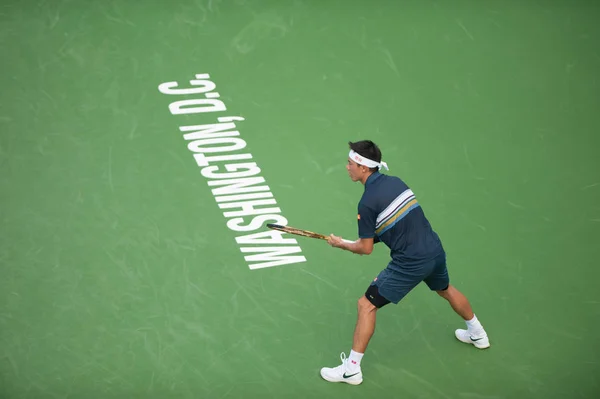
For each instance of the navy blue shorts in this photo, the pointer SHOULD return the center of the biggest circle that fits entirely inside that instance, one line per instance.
(394, 284)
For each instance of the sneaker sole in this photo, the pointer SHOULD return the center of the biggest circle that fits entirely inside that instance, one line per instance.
(474, 344)
(351, 382)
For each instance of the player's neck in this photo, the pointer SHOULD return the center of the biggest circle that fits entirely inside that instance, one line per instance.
(364, 178)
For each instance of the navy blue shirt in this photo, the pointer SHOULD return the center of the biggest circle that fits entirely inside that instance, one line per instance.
(388, 212)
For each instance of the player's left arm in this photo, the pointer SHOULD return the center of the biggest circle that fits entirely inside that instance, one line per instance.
(366, 233)
(362, 246)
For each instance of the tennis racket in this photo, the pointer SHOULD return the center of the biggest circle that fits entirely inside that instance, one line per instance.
(298, 232)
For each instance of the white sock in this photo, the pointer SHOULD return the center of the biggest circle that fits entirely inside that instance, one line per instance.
(354, 360)
(474, 326)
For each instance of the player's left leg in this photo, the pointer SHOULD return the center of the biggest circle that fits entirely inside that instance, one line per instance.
(350, 371)
(365, 323)
(389, 286)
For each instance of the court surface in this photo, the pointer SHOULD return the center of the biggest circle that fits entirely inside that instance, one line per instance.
(121, 276)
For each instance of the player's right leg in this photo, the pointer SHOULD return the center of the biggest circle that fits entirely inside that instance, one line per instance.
(475, 333)
(439, 282)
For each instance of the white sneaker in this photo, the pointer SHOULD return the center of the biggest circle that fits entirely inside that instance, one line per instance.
(480, 341)
(342, 374)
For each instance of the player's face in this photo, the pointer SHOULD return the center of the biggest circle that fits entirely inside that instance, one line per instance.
(354, 170)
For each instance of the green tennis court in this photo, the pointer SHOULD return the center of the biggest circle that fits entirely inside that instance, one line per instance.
(136, 264)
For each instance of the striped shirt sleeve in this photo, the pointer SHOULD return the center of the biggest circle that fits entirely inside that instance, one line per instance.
(366, 221)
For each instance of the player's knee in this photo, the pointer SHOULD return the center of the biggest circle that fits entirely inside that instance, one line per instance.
(364, 305)
(445, 293)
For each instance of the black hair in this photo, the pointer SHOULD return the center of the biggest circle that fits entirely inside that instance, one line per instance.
(367, 149)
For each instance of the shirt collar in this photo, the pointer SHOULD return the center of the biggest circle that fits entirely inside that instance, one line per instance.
(374, 176)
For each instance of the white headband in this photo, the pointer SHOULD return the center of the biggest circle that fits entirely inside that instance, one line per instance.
(359, 159)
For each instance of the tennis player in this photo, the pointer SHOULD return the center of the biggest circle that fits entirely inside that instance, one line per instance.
(388, 212)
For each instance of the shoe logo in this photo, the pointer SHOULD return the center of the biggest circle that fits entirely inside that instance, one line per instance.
(351, 375)
(476, 339)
